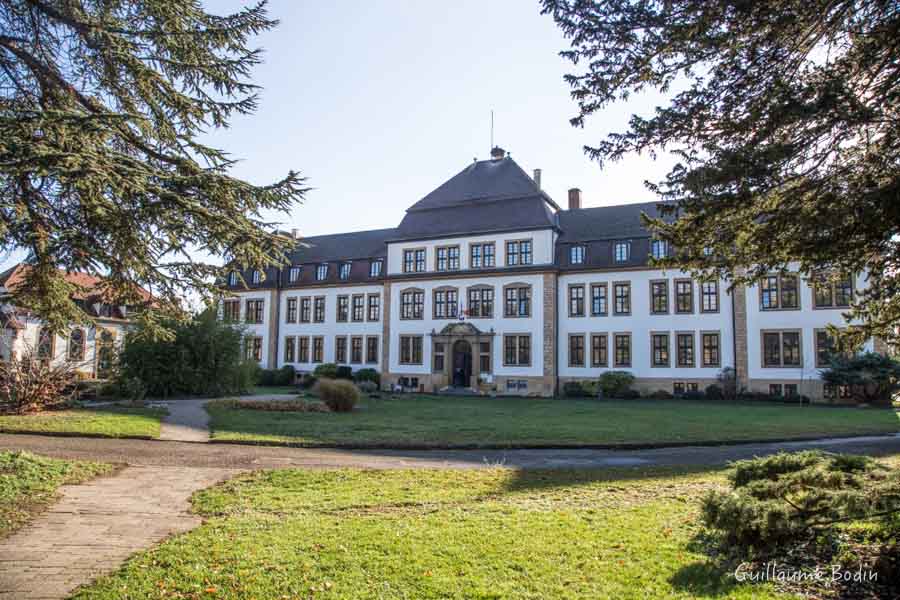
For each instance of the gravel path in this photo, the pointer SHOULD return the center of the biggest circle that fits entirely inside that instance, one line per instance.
(96, 526)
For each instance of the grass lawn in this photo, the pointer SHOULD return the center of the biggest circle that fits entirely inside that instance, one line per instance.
(106, 421)
(28, 483)
(488, 533)
(446, 421)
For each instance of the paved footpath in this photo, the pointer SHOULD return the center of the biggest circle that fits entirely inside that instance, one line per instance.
(96, 526)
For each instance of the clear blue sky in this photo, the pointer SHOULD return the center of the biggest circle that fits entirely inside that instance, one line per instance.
(378, 103)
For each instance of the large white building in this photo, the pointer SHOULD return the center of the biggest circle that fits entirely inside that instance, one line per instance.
(488, 284)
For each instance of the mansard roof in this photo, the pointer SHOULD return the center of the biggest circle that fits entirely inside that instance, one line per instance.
(487, 196)
(342, 246)
(606, 222)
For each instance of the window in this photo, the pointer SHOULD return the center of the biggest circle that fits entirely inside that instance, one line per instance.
(439, 351)
(711, 354)
(356, 350)
(445, 303)
(659, 249)
(832, 392)
(622, 296)
(375, 268)
(291, 316)
(447, 258)
(481, 302)
(290, 349)
(344, 272)
(517, 350)
(779, 292)
(576, 255)
(685, 342)
(414, 261)
(410, 349)
(576, 350)
(707, 250)
(231, 310)
(790, 390)
(76, 345)
(781, 348)
(484, 357)
(319, 309)
(256, 276)
(343, 309)
(481, 256)
(598, 350)
(677, 387)
(254, 311)
(340, 349)
(830, 294)
(516, 385)
(622, 343)
(321, 272)
(374, 309)
(518, 252)
(659, 349)
(659, 297)
(622, 251)
(709, 296)
(294, 275)
(775, 389)
(318, 349)
(825, 348)
(233, 278)
(518, 301)
(359, 308)
(684, 296)
(598, 300)
(304, 310)
(303, 349)
(576, 301)
(253, 348)
(412, 304)
(372, 349)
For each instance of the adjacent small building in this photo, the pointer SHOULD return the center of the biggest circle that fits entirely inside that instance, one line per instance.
(89, 349)
(487, 284)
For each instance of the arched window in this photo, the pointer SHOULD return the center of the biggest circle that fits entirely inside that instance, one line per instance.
(76, 345)
(105, 353)
(45, 344)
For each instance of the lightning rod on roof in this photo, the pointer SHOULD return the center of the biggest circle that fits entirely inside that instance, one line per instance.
(492, 129)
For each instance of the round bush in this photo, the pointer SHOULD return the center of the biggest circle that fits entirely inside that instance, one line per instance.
(326, 371)
(368, 375)
(367, 387)
(338, 394)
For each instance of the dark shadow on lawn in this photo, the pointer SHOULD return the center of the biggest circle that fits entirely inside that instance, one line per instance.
(543, 479)
(703, 578)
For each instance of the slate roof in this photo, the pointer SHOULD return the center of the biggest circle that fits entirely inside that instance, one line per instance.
(486, 196)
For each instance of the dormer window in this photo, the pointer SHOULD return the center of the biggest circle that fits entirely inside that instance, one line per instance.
(344, 273)
(294, 275)
(375, 268)
(256, 277)
(321, 272)
(659, 249)
(576, 255)
(622, 251)
(233, 278)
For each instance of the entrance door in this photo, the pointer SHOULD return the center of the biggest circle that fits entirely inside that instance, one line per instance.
(462, 363)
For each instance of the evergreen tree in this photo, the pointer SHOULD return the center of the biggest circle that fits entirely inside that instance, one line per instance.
(101, 169)
(785, 118)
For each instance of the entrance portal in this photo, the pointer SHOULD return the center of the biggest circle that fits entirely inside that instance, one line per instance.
(462, 364)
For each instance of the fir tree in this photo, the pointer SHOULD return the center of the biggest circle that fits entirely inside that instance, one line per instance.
(785, 118)
(101, 167)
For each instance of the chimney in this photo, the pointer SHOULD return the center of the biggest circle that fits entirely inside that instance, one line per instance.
(497, 153)
(574, 199)
(295, 233)
(537, 178)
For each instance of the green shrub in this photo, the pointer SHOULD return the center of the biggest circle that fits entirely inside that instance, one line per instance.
(367, 387)
(661, 395)
(630, 394)
(692, 395)
(615, 384)
(871, 377)
(714, 392)
(727, 380)
(344, 372)
(574, 389)
(326, 371)
(287, 375)
(780, 500)
(202, 357)
(368, 375)
(266, 377)
(338, 394)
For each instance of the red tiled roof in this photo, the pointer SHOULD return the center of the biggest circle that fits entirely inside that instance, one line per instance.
(92, 286)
